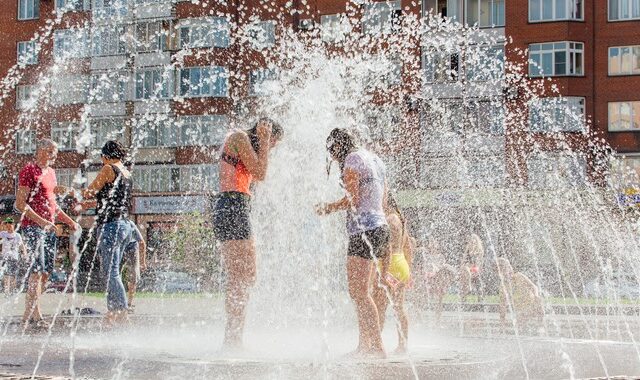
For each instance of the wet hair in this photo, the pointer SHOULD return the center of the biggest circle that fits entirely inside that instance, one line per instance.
(114, 150)
(340, 143)
(276, 132)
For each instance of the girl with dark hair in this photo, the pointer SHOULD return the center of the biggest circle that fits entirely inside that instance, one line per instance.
(399, 274)
(112, 190)
(363, 176)
(244, 159)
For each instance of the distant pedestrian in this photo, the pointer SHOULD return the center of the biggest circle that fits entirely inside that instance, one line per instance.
(36, 200)
(12, 247)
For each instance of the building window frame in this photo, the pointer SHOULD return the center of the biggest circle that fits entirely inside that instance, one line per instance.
(28, 10)
(634, 57)
(630, 108)
(633, 9)
(204, 82)
(562, 111)
(25, 96)
(147, 80)
(25, 141)
(204, 33)
(573, 10)
(65, 135)
(70, 44)
(27, 54)
(496, 13)
(65, 6)
(572, 64)
(381, 17)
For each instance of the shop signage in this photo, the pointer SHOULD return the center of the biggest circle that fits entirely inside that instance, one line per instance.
(170, 204)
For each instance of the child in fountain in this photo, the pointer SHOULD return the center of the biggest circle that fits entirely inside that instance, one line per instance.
(439, 276)
(364, 179)
(12, 246)
(244, 159)
(471, 266)
(399, 274)
(521, 294)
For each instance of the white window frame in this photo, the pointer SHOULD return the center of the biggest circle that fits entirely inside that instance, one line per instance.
(262, 34)
(153, 35)
(480, 63)
(335, 27)
(446, 69)
(65, 134)
(25, 141)
(631, 6)
(158, 75)
(70, 44)
(570, 11)
(105, 129)
(174, 178)
(102, 85)
(570, 64)
(634, 56)
(65, 6)
(204, 33)
(378, 17)
(155, 131)
(67, 176)
(25, 96)
(202, 130)
(28, 9)
(26, 53)
(218, 76)
(493, 23)
(108, 40)
(257, 79)
(570, 108)
(113, 8)
(634, 113)
(556, 164)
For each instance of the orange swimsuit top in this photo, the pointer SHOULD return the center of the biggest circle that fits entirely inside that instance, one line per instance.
(243, 176)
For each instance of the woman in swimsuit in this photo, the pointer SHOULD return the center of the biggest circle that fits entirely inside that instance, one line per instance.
(244, 159)
(399, 274)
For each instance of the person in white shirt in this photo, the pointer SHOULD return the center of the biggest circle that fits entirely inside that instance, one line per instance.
(11, 247)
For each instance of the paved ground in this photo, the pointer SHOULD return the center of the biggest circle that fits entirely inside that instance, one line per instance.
(178, 337)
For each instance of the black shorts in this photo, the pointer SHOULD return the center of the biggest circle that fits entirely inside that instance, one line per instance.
(369, 243)
(231, 211)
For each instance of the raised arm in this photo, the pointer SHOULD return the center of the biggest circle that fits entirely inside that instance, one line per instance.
(256, 162)
(106, 175)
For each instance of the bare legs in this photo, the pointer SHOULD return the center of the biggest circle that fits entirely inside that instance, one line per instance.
(397, 298)
(9, 284)
(359, 274)
(240, 264)
(32, 301)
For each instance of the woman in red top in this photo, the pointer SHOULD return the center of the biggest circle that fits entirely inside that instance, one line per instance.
(244, 159)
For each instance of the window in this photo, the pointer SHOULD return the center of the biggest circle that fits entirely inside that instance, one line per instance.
(108, 40)
(334, 28)
(27, 54)
(110, 8)
(70, 177)
(174, 178)
(204, 82)
(624, 10)
(441, 67)
(26, 97)
(485, 63)
(70, 43)
(155, 131)
(624, 116)
(153, 36)
(557, 114)
(484, 171)
(108, 87)
(199, 33)
(262, 34)
(154, 84)
(381, 17)
(63, 6)
(624, 60)
(202, 130)
(556, 59)
(485, 13)
(624, 175)
(69, 89)
(65, 135)
(25, 141)
(486, 117)
(260, 81)
(555, 10)
(28, 9)
(549, 170)
(103, 130)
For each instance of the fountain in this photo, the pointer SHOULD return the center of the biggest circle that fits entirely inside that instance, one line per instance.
(451, 165)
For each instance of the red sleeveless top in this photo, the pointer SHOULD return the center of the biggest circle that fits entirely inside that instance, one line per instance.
(242, 174)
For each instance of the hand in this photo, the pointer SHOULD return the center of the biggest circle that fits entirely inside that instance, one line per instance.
(73, 226)
(264, 132)
(321, 209)
(49, 226)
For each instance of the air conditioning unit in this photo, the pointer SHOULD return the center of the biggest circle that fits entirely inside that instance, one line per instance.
(306, 24)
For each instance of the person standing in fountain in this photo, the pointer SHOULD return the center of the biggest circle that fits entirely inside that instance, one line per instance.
(36, 200)
(244, 159)
(471, 267)
(518, 294)
(112, 190)
(363, 175)
(12, 248)
(402, 248)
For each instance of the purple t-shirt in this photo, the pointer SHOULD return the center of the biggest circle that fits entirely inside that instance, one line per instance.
(368, 214)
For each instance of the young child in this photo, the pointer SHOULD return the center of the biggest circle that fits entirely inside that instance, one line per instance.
(11, 247)
(521, 293)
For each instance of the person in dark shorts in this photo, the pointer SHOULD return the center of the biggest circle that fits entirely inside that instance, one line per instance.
(244, 159)
(36, 200)
(363, 176)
